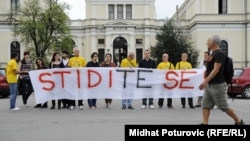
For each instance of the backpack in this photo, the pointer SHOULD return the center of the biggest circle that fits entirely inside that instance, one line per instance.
(228, 70)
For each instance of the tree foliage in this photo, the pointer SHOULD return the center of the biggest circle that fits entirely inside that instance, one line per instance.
(174, 42)
(42, 27)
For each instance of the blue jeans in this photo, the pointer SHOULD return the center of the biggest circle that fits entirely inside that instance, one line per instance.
(126, 102)
(92, 102)
(13, 94)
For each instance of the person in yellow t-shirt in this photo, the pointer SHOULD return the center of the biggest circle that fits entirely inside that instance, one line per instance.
(11, 74)
(183, 65)
(128, 62)
(76, 62)
(165, 65)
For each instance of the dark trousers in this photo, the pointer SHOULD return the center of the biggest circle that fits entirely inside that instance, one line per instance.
(65, 103)
(58, 103)
(150, 101)
(161, 101)
(92, 102)
(190, 101)
(26, 89)
(73, 103)
(108, 101)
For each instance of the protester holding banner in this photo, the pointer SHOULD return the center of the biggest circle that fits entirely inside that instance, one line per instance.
(93, 63)
(165, 65)
(41, 65)
(128, 62)
(147, 62)
(56, 63)
(24, 78)
(203, 65)
(108, 63)
(76, 62)
(65, 61)
(183, 65)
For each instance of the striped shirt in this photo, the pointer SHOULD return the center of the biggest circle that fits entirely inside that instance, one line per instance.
(26, 66)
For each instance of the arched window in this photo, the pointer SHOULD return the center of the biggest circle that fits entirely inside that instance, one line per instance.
(120, 48)
(224, 46)
(15, 47)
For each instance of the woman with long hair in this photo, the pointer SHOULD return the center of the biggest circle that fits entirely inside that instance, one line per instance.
(56, 63)
(108, 63)
(39, 66)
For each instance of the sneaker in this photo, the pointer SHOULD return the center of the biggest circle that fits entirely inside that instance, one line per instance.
(15, 109)
(37, 105)
(109, 107)
(130, 107)
(191, 107)
(81, 107)
(123, 107)
(71, 107)
(151, 107)
(143, 106)
(240, 123)
(25, 105)
(197, 106)
(170, 107)
(52, 108)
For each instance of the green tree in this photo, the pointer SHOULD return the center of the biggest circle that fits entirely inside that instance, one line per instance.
(43, 27)
(174, 42)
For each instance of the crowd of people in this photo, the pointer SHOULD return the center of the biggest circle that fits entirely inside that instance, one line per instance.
(214, 81)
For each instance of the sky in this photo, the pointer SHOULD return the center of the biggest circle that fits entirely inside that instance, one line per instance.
(164, 8)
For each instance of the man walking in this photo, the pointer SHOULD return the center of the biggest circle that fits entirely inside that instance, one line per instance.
(214, 83)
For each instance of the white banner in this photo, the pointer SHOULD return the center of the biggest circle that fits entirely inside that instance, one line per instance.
(115, 83)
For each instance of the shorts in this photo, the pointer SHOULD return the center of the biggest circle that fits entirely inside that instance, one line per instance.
(215, 94)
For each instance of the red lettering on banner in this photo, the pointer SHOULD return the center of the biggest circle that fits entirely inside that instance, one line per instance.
(182, 79)
(78, 79)
(62, 75)
(89, 78)
(110, 78)
(46, 81)
(171, 79)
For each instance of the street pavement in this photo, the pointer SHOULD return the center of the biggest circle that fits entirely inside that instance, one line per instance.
(102, 124)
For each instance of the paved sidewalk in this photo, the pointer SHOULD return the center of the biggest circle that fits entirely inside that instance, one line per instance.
(102, 124)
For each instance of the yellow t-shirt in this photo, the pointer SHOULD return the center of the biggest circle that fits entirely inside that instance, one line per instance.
(11, 76)
(183, 65)
(76, 62)
(165, 66)
(128, 63)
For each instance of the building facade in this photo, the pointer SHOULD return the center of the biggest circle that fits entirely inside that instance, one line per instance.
(111, 26)
(230, 19)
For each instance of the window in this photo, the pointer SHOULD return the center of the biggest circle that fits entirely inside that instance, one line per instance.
(14, 5)
(15, 47)
(222, 6)
(101, 41)
(119, 11)
(139, 41)
(224, 47)
(111, 12)
(128, 11)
